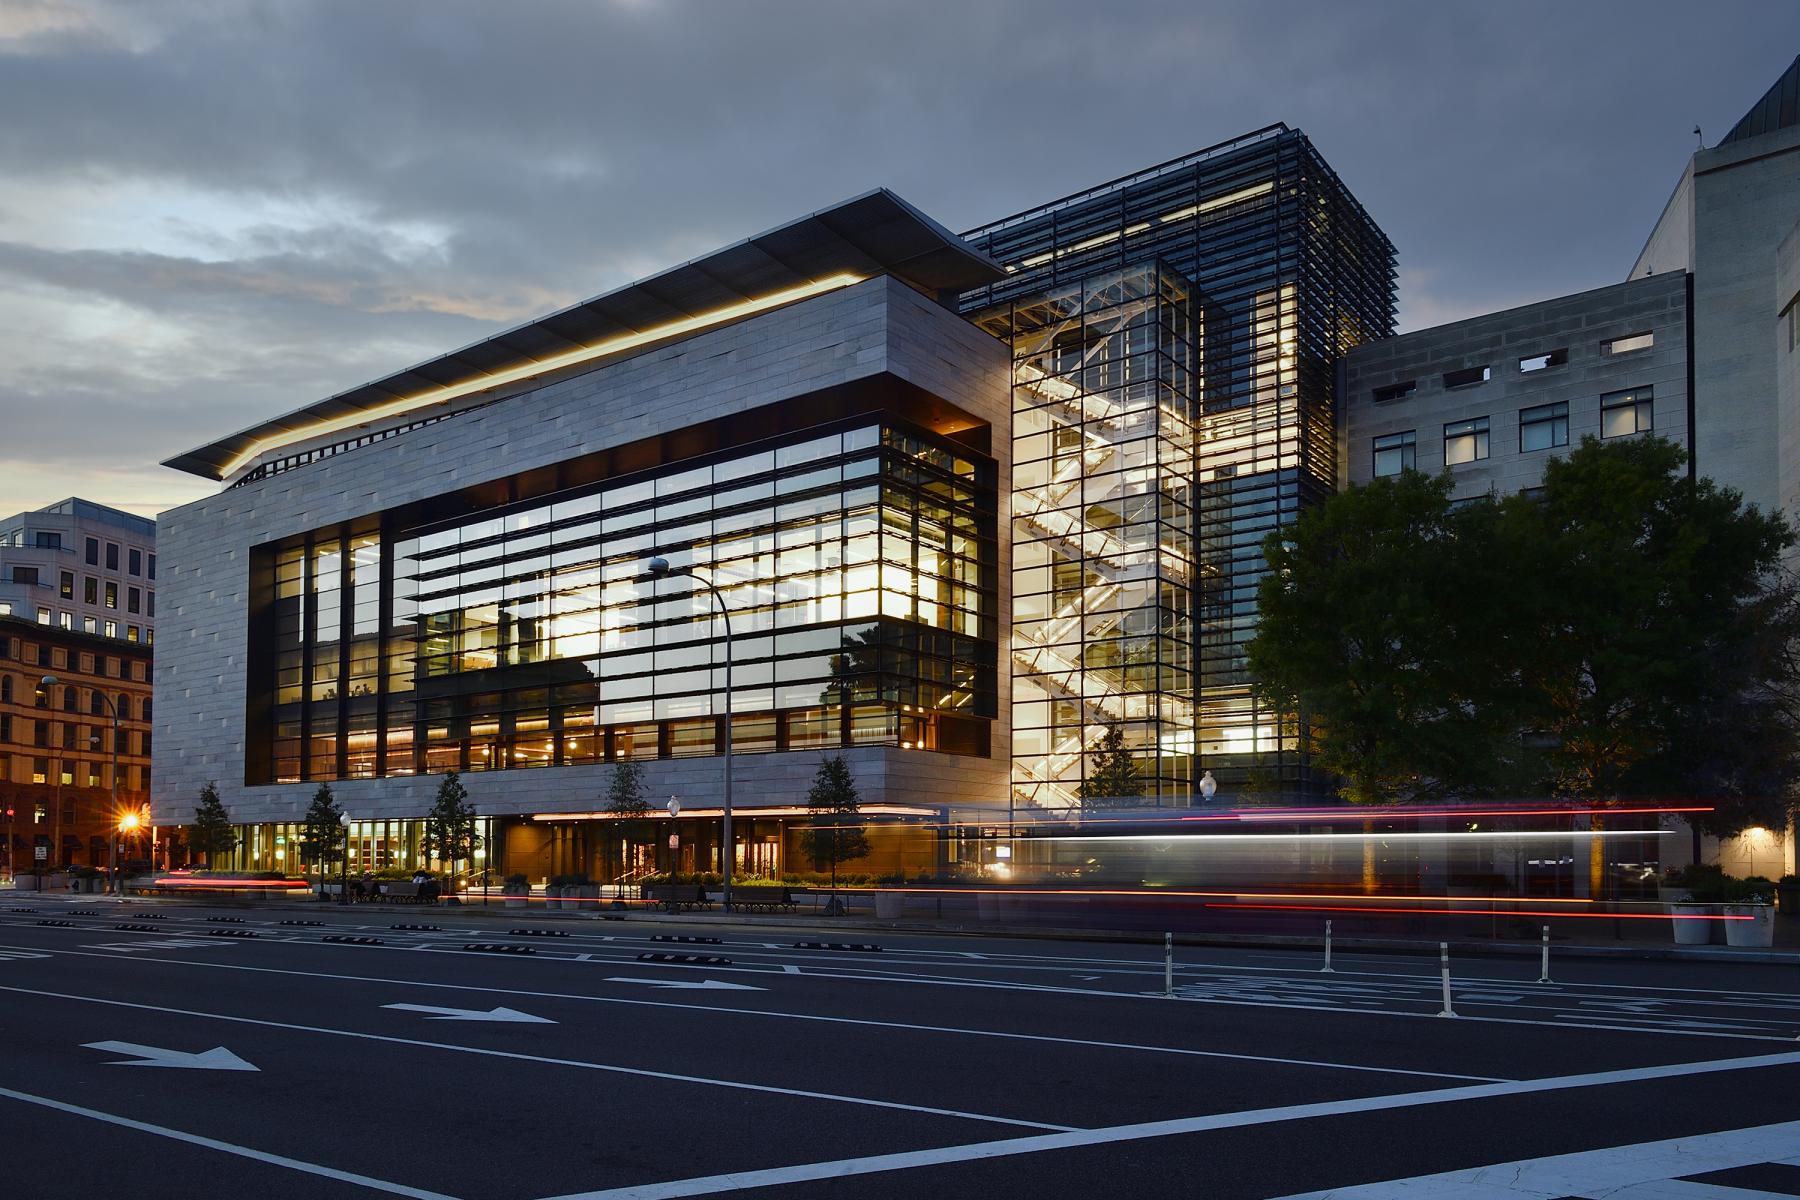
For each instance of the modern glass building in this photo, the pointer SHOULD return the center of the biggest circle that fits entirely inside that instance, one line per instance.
(446, 570)
(1282, 273)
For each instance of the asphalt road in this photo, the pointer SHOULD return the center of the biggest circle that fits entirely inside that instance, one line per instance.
(179, 1058)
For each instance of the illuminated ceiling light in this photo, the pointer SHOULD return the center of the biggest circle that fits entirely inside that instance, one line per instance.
(554, 362)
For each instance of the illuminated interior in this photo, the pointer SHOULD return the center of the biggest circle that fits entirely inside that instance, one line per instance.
(852, 563)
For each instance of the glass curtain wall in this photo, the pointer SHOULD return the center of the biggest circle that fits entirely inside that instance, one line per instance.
(1293, 273)
(1103, 457)
(857, 567)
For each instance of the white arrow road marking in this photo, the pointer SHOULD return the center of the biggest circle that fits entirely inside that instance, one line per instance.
(715, 985)
(216, 1059)
(472, 1014)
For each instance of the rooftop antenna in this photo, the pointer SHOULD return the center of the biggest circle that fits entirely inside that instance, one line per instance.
(1700, 140)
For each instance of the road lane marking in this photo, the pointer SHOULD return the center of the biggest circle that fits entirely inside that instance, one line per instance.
(911, 1027)
(716, 985)
(194, 1139)
(511, 1015)
(709, 1185)
(216, 1059)
(1615, 1171)
(548, 1060)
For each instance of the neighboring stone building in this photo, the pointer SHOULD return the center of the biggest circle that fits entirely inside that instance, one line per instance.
(81, 566)
(57, 748)
(1494, 397)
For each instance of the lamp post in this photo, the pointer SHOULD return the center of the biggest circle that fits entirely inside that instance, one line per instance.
(1208, 785)
(128, 823)
(344, 879)
(50, 681)
(659, 569)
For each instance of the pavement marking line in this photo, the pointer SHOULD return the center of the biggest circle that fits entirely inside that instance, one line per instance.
(827, 1019)
(870, 975)
(709, 1185)
(194, 1139)
(1618, 1171)
(640, 1072)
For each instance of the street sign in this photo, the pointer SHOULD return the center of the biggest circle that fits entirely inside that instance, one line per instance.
(674, 841)
(40, 852)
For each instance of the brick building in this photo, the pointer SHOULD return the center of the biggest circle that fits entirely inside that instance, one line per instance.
(56, 743)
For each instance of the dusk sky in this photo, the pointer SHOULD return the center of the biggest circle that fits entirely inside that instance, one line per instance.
(214, 212)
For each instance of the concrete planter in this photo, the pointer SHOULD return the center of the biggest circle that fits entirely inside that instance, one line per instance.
(889, 905)
(1693, 932)
(1787, 899)
(516, 895)
(1759, 931)
(553, 899)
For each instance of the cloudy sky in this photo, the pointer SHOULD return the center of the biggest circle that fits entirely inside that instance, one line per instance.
(212, 212)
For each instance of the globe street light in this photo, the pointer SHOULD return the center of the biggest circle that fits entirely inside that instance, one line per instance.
(659, 568)
(50, 681)
(344, 879)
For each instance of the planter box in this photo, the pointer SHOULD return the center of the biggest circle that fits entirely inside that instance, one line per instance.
(1694, 932)
(1759, 931)
(516, 896)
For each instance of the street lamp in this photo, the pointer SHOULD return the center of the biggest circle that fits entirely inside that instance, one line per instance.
(128, 823)
(344, 879)
(659, 568)
(1208, 785)
(50, 681)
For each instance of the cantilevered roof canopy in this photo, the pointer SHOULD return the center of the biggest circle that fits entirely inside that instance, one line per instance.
(876, 233)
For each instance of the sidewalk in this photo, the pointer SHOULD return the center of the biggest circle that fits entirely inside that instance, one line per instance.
(1785, 951)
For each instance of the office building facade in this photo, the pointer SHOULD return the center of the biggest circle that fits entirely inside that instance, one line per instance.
(1493, 398)
(81, 567)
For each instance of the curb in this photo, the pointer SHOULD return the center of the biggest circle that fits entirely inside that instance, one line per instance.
(1716, 955)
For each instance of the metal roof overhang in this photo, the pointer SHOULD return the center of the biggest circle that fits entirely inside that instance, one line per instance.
(876, 233)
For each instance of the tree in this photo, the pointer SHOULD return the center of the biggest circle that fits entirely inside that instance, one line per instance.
(1377, 622)
(321, 832)
(212, 832)
(450, 833)
(1114, 772)
(625, 801)
(1664, 636)
(834, 831)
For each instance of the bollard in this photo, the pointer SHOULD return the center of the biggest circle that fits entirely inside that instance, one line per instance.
(1326, 969)
(1444, 969)
(1169, 965)
(1544, 970)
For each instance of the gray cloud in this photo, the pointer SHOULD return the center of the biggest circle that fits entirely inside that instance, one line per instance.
(329, 191)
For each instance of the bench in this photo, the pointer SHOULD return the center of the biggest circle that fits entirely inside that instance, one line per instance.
(762, 897)
(676, 896)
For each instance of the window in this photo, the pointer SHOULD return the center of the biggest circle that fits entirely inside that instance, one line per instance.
(65, 585)
(1628, 343)
(112, 595)
(5, 731)
(134, 600)
(112, 629)
(71, 698)
(6, 689)
(48, 541)
(112, 556)
(1467, 376)
(1465, 441)
(149, 604)
(93, 552)
(152, 571)
(135, 561)
(1396, 391)
(1543, 427)
(147, 708)
(131, 633)
(1623, 413)
(1394, 453)
(43, 616)
(24, 575)
(89, 625)
(90, 590)
(66, 620)
(1538, 362)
